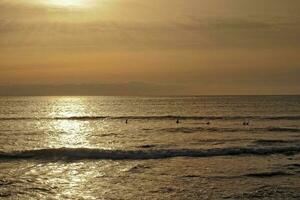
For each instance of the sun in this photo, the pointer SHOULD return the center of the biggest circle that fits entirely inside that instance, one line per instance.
(67, 3)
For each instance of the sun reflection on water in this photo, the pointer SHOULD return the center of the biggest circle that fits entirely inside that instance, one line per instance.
(75, 179)
(70, 132)
(69, 107)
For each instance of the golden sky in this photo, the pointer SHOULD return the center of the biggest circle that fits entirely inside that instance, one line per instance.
(151, 47)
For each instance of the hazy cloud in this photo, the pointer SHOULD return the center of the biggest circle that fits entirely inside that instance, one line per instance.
(193, 34)
(207, 45)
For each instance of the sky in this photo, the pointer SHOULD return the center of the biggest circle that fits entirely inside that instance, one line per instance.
(142, 47)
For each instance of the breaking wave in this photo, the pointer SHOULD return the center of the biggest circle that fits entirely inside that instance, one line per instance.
(268, 174)
(86, 153)
(228, 130)
(272, 142)
(159, 117)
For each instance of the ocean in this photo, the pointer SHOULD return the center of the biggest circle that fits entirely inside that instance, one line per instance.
(192, 147)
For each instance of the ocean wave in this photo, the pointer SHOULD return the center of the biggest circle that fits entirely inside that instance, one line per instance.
(228, 130)
(86, 153)
(272, 191)
(268, 174)
(54, 118)
(159, 117)
(272, 142)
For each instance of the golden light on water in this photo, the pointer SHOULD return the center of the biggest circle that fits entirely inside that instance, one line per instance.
(65, 107)
(71, 133)
(71, 129)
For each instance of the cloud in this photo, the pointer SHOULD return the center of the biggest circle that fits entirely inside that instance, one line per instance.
(25, 25)
(192, 34)
(217, 42)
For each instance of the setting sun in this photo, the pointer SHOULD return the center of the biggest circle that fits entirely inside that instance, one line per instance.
(67, 2)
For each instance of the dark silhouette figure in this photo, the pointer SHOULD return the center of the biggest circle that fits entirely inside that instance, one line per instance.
(126, 121)
(208, 123)
(246, 123)
(177, 122)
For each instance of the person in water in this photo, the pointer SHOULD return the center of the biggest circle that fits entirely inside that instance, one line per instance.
(126, 121)
(177, 122)
(246, 123)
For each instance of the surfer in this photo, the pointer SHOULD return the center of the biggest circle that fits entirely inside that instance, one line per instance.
(245, 123)
(177, 122)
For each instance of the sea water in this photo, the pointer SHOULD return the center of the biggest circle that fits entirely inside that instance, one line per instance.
(196, 147)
